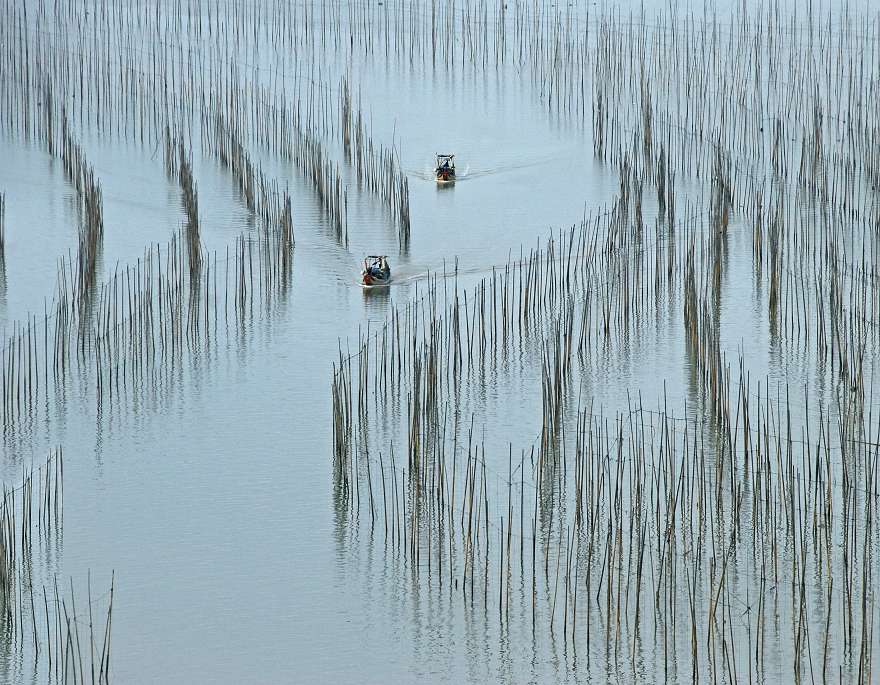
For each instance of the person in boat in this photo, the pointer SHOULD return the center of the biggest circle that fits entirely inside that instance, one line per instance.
(377, 267)
(445, 164)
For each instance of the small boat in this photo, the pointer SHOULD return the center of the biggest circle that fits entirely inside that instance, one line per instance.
(376, 271)
(445, 170)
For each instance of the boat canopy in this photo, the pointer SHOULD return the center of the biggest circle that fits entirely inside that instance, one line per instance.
(375, 262)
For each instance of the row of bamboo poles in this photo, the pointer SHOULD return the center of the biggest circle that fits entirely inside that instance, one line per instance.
(377, 168)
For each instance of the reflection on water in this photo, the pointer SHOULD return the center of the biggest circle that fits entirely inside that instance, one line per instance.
(612, 421)
(377, 299)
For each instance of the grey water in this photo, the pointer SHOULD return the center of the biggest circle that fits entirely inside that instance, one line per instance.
(211, 498)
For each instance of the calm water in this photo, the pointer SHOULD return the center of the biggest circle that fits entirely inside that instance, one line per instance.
(211, 496)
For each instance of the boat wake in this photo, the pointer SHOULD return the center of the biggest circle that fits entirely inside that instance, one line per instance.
(429, 174)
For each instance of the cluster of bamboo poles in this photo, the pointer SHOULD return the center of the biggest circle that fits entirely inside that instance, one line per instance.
(149, 314)
(27, 511)
(289, 134)
(177, 83)
(307, 154)
(34, 507)
(740, 99)
(635, 273)
(580, 62)
(81, 176)
(204, 89)
(377, 167)
(656, 521)
(143, 322)
(775, 108)
(211, 99)
(642, 497)
(690, 77)
(178, 166)
(154, 311)
(662, 522)
(816, 252)
(592, 65)
(722, 551)
(46, 619)
(2, 226)
(118, 331)
(296, 135)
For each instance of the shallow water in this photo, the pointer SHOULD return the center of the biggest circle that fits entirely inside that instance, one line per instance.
(210, 493)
